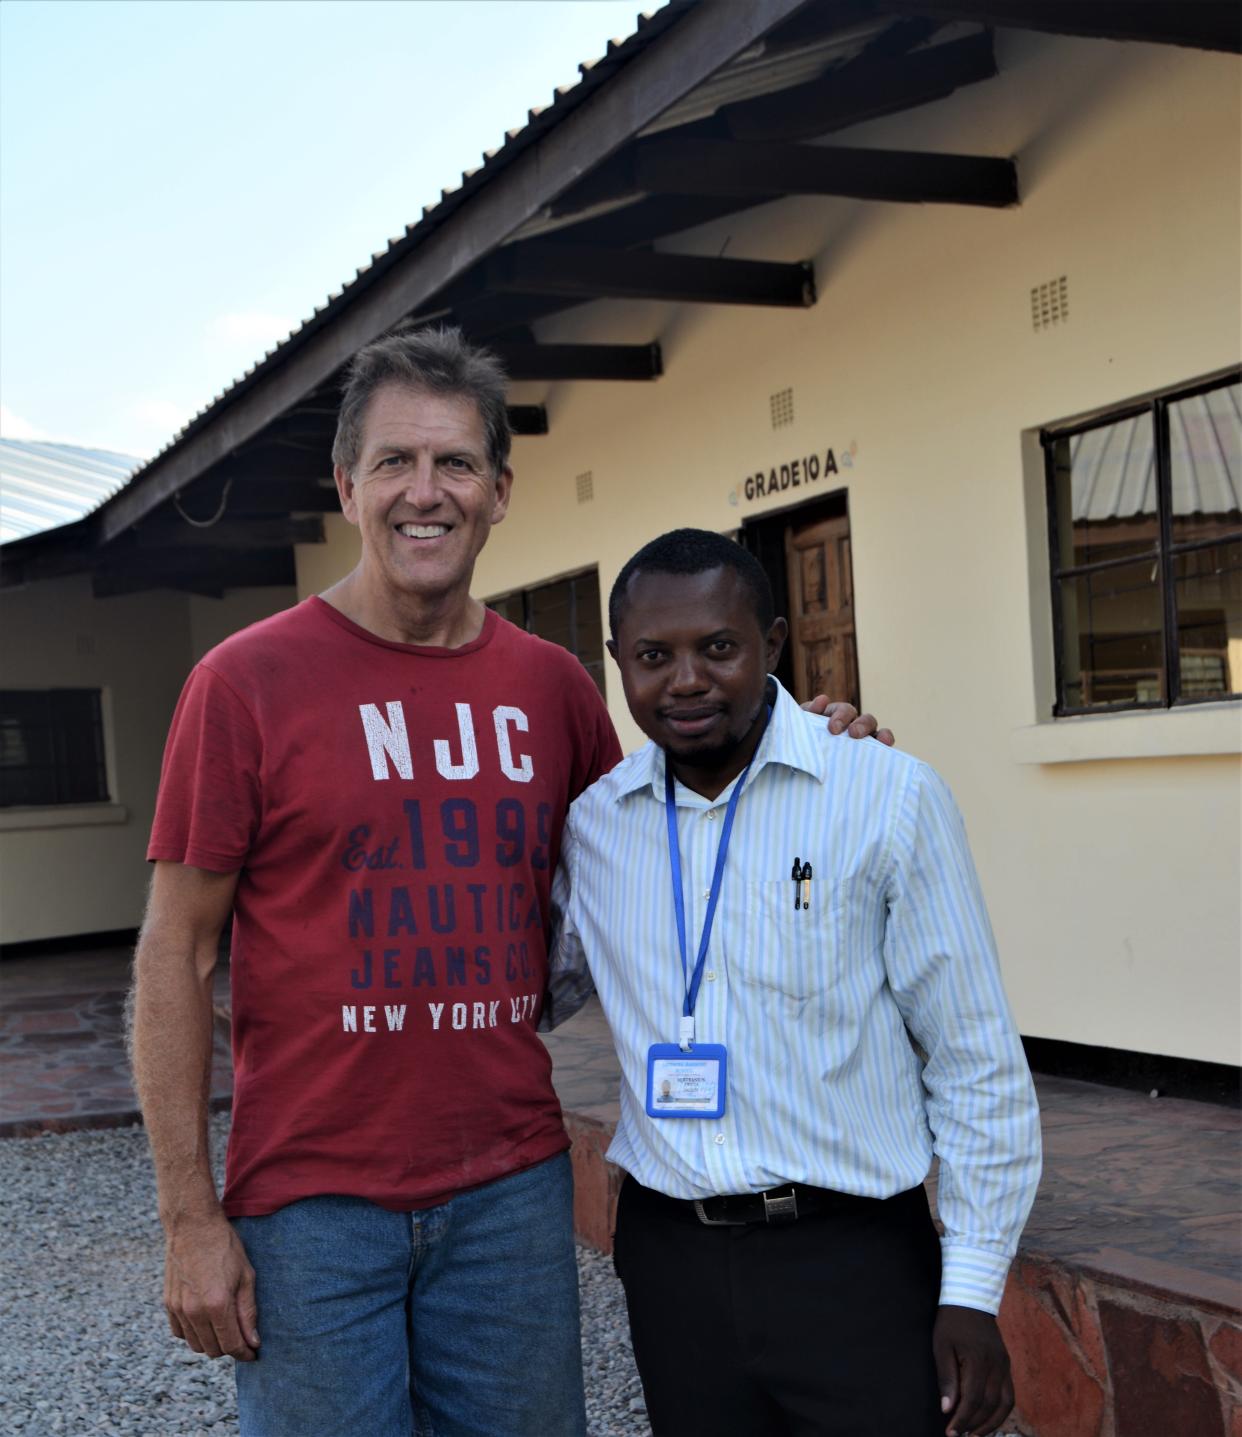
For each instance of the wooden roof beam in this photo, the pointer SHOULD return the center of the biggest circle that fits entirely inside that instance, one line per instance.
(580, 361)
(280, 495)
(1200, 24)
(580, 273)
(862, 90)
(201, 570)
(230, 534)
(696, 45)
(528, 419)
(767, 171)
(648, 219)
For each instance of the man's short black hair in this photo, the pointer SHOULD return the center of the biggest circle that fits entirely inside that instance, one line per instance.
(694, 551)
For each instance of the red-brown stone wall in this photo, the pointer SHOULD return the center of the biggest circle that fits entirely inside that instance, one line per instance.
(1091, 1358)
(596, 1182)
(1094, 1359)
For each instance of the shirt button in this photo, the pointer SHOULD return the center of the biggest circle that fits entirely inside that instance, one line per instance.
(719, 1140)
(711, 813)
(710, 975)
(707, 895)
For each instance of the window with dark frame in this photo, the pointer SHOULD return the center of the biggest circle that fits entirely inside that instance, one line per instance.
(1145, 530)
(51, 747)
(564, 612)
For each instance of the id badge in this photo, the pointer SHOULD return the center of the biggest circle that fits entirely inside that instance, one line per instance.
(684, 1084)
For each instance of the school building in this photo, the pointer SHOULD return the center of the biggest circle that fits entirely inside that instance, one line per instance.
(938, 309)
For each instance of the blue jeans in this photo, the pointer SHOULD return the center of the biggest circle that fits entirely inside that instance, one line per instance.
(456, 1321)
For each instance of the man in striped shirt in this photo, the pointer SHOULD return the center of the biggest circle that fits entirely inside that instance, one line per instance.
(769, 916)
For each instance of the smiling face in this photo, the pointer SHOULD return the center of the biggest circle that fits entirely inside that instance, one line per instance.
(694, 661)
(425, 499)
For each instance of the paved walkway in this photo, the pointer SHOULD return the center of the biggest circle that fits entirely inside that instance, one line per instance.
(62, 1043)
(1145, 1188)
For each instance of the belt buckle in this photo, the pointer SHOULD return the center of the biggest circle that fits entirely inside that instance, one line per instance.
(716, 1221)
(780, 1209)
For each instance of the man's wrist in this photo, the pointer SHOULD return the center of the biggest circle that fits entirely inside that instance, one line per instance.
(188, 1212)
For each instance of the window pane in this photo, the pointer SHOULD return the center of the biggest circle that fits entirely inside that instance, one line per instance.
(565, 612)
(510, 607)
(1111, 633)
(51, 747)
(596, 671)
(24, 740)
(1205, 455)
(1208, 587)
(27, 786)
(551, 612)
(590, 620)
(1104, 492)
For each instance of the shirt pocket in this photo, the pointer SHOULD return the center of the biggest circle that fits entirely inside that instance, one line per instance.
(793, 952)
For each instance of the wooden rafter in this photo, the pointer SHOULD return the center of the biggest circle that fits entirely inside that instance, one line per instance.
(862, 90)
(582, 273)
(580, 361)
(230, 533)
(697, 44)
(201, 570)
(1200, 24)
(766, 171)
(528, 419)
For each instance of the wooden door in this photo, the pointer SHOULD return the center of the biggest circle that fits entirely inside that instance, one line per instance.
(821, 610)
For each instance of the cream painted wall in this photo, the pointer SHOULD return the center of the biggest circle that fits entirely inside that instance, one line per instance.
(213, 620)
(88, 873)
(1113, 884)
(320, 565)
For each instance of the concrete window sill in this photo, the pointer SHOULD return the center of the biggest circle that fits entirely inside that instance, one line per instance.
(67, 815)
(1168, 733)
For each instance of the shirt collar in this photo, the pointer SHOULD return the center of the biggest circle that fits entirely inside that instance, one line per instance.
(788, 739)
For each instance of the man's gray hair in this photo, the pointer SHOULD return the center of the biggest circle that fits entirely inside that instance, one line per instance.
(435, 361)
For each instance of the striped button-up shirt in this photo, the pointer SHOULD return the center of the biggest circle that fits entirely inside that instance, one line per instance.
(814, 1006)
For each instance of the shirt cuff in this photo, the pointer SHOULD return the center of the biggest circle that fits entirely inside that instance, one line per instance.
(972, 1277)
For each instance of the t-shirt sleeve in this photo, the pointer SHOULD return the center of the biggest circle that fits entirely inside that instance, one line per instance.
(207, 810)
(598, 749)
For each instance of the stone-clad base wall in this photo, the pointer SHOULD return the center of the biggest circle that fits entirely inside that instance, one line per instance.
(596, 1181)
(1095, 1359)
(1091, 1358)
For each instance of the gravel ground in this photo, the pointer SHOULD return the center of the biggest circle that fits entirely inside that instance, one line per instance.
(84, 1348)
(83, 1344)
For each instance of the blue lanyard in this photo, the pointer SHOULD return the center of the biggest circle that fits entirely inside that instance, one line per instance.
(679, 901)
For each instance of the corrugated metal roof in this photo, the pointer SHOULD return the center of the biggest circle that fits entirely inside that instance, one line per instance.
(1114, 467)
(753, 73)
(43, 485)
(592, 74)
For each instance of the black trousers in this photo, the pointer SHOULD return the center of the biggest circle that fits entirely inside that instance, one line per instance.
(817, 1328)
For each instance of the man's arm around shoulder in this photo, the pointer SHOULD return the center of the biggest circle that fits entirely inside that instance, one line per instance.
(208, 1282)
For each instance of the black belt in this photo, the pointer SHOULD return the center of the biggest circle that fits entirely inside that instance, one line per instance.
(774, 1207)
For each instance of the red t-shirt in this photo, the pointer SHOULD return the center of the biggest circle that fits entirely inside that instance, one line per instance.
(395, 813)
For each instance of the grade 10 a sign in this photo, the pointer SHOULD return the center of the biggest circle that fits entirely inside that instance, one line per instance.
(792, 474)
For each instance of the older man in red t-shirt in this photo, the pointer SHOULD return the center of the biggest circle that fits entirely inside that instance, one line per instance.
(373, 784)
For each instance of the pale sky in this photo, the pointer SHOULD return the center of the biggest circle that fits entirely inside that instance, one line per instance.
(181, 181)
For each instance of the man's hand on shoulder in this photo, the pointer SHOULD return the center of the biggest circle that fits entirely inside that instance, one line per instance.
(209, 1289)
(844, 718)
(976, 1390)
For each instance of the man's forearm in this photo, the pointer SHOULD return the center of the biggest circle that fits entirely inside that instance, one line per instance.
(172, 1049)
